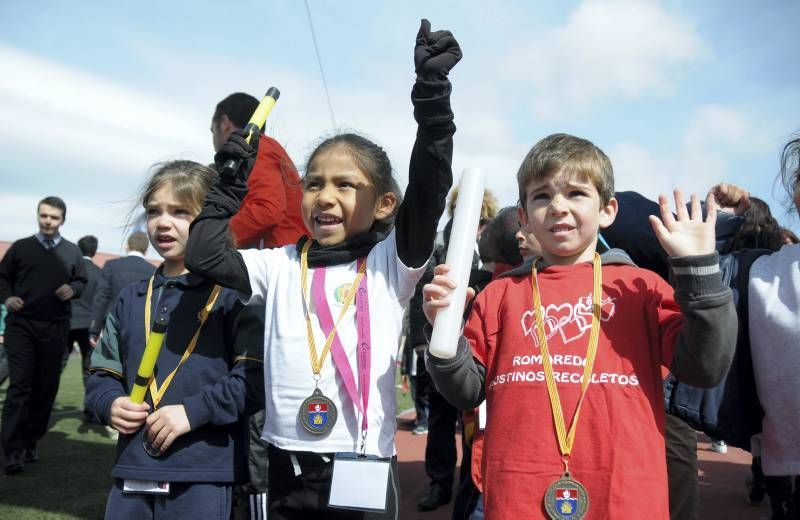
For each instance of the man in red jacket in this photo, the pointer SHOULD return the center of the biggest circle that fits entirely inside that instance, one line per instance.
(269, 216)
(270, 213)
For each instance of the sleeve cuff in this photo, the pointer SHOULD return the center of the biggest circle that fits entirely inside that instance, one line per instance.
(463, 353)
(103, 409)
(196, 411)
(695, 276)
(432, 102)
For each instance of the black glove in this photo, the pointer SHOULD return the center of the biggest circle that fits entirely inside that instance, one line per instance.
(242, 154)
(435, 54)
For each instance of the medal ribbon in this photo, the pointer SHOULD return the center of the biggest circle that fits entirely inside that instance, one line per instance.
(566, 440)
(322, 309)
(338, 354)
(158, 393)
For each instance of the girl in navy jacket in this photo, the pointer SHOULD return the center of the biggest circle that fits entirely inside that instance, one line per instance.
(181, 450)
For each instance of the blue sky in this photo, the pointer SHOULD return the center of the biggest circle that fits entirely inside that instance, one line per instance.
(676, 92)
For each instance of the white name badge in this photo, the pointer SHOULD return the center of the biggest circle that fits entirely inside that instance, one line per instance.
(150, 487)
(359, 482)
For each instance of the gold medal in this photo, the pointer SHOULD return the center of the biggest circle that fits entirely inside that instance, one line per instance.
(566, 499)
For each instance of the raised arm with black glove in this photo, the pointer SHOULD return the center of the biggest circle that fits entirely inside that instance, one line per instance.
(210, 251)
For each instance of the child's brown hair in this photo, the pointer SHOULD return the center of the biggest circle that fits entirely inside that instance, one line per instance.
(571, 155)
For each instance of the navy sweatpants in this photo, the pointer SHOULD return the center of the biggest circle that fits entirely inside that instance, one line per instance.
(185, 500)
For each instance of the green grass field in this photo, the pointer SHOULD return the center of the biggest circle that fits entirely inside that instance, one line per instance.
(72, 478)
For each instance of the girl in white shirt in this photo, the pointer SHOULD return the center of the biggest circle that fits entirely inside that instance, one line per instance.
(334, 302)
(774, 323)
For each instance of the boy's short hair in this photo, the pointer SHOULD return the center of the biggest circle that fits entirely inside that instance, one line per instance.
(138, 241)
(56, 202)
(88, 245)
(573, 156)
(239, 107)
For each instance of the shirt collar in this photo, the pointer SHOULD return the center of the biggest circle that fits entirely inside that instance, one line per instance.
(185, 281)
(41, 238)
(135, 253)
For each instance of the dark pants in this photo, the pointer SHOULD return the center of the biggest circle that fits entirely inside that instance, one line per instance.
(250, 499)
(3, 365)
(420, 392)
(303, 496)
(467, 496)
(185, 500)
(440, 451)
(784, 497)
(681, 446)
(81, 336)
(35, 350)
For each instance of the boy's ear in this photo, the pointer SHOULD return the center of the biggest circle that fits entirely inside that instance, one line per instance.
(608, 213)
(385, 205)
(523, 216)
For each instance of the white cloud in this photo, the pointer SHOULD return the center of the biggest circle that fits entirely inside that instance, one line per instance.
(715, 124)
(606, 49)
(715, 137)
(53, 110)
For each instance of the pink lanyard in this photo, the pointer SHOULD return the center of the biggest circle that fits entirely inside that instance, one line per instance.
(338, 354)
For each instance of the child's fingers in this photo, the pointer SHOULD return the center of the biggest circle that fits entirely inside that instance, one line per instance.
(661, 232)
(697, 213)
(666, 214)
(132, 416)
(432, 291)
(129, 411)
(126, 404)
(441, 269)
(168, 440)
(711, 210)
(126, 427)
(444, 281)
(680, 205)
(437, 304)
(158, 440)
(155, 424)
(470, 294)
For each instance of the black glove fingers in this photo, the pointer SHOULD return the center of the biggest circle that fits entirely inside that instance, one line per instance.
(444, 44)
(420, 59)
(424, 31)
(435, 36)
(254, 141)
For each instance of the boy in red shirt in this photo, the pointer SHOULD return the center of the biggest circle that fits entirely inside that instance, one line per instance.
(568, 350)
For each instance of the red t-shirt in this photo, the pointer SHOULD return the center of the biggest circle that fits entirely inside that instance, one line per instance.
(618, 453)
(269, 215)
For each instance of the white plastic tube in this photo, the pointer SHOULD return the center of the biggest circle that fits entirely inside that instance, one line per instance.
(447, 327)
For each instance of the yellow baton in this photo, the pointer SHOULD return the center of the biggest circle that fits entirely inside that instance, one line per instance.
(256, 124)
(148, 363)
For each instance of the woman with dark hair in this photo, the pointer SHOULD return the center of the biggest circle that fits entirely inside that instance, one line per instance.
(760, 230)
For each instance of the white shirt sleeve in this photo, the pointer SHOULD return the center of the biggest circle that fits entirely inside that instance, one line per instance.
(401, 278)
(261, 264)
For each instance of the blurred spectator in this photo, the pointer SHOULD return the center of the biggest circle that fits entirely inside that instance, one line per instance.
(115, 276)
(3, 359)
(789, 237)
(38, 277)
(82, 310)
(269, 215)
